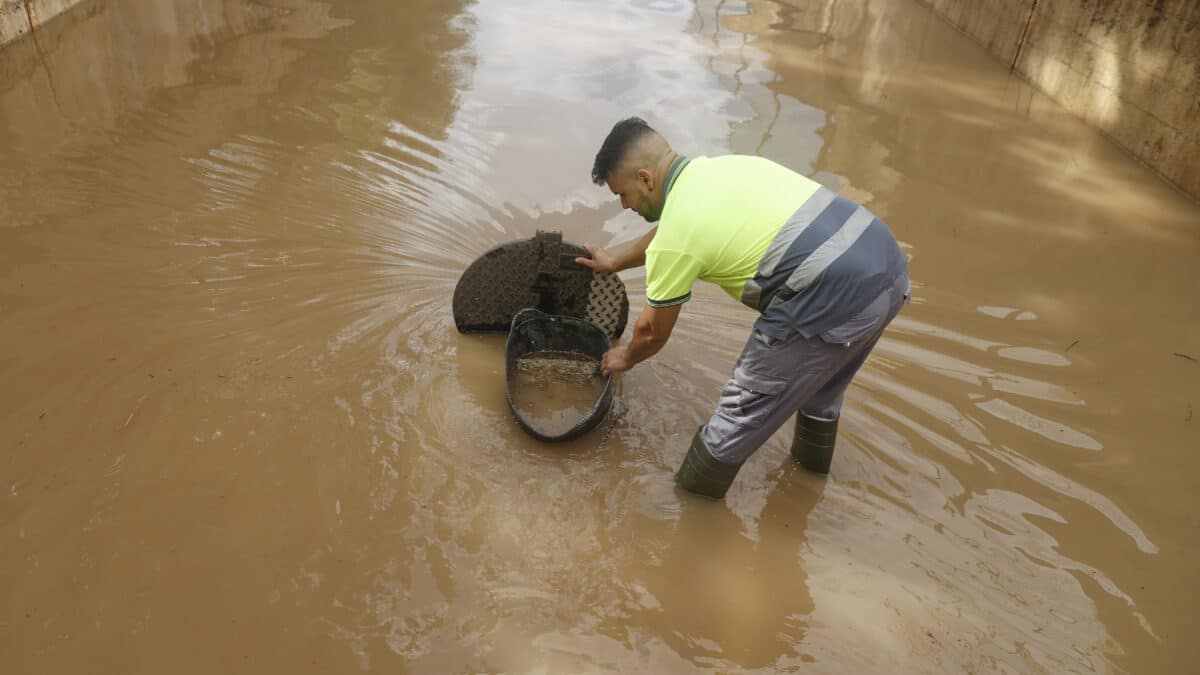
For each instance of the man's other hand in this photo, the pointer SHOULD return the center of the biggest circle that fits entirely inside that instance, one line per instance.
(615, 360)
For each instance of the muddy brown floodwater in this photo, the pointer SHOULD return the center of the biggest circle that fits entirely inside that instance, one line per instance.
(555, 391)
(240, 434)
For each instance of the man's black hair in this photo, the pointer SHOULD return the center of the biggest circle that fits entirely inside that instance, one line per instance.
(623, 135)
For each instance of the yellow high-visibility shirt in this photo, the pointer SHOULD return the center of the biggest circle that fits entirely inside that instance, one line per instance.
(721, 214)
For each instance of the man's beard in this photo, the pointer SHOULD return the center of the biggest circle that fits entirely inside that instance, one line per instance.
(652, 217)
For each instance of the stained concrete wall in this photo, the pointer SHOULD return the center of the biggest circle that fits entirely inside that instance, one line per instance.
(20, 17)
(1131, 68)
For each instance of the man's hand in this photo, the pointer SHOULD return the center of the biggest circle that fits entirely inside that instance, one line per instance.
(615, 360)
(601, 260)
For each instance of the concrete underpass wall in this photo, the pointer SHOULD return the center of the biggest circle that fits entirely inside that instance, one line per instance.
(20, 17)
(1130, 68)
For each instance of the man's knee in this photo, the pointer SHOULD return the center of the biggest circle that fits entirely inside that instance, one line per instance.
(741, 422)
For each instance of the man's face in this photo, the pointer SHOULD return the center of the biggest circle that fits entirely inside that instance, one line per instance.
(632, 186)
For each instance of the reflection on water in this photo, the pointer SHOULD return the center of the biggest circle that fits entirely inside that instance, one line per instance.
(238, 413)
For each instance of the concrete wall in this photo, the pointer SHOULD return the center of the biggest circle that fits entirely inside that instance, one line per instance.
(20, 17)
(1131, 68)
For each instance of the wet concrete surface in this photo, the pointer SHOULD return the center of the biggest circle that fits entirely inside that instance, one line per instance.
(239, 432)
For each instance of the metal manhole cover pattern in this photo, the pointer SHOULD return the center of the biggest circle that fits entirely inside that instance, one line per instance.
(608, 304)
(495, 287)
(538, 272)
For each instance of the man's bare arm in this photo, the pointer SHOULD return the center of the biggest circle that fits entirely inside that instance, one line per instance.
(650, 333)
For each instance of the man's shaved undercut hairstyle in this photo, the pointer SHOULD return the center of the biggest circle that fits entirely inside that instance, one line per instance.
(624, 135)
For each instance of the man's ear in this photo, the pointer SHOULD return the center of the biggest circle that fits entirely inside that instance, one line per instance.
(647, 178)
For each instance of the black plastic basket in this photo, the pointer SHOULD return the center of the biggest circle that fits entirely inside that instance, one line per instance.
(533, 331)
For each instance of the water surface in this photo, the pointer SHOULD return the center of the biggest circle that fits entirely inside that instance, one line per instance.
(239, 432)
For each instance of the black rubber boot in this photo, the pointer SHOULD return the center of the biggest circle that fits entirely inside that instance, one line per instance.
(812, 446)
(702, 474)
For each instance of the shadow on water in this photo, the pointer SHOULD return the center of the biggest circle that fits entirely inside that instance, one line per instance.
(726, 595)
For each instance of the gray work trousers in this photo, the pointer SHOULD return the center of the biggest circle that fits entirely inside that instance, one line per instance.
(774, 378)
